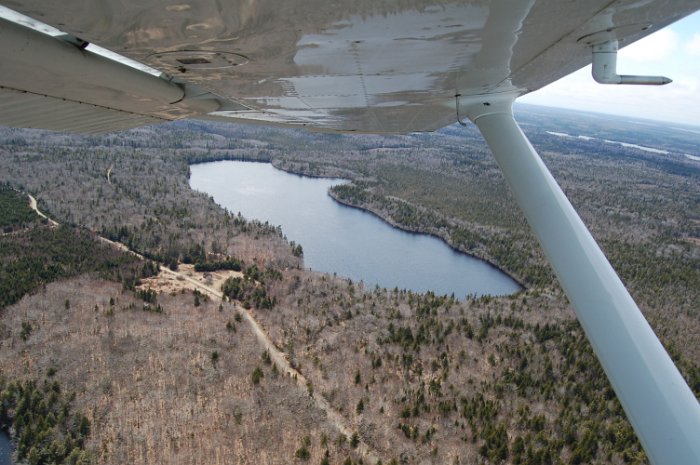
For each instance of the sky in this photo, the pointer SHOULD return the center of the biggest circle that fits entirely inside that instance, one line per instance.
(673, 52)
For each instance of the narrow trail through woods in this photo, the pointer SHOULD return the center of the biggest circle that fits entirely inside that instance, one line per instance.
(278, 357)
(33, 206)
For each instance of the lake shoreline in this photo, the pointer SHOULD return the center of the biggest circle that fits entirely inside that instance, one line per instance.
(287, 167)
(404, 228)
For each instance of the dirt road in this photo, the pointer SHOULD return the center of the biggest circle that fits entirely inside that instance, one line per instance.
(280, 360)
(33, 206)
(278, 357)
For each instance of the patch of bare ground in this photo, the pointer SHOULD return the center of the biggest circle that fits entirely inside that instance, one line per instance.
(164, 388)
(169, 283)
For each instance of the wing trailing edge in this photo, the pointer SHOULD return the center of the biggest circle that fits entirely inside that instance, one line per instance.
(49, 82)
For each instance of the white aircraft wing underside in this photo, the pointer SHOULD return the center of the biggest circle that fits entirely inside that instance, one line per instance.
(365, 66)
(22, 109)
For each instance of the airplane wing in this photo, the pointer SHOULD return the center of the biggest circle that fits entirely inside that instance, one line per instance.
(362, 66)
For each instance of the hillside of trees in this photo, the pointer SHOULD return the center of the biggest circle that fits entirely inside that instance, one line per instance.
(421, 378)
(97, 370)
(33, 253)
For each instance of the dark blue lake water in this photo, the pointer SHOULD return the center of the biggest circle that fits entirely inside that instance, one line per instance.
(5, 449)
(347, 241)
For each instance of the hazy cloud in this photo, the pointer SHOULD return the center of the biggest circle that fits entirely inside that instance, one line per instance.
(678, 102)
(655, 47)
(693, 47)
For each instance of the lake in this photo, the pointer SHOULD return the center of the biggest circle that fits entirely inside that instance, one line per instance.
(5, 449)
(343, 240)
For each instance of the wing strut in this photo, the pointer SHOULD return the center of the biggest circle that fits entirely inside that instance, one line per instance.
(658, 402)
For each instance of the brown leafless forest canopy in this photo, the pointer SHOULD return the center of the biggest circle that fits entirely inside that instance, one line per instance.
(168, 375)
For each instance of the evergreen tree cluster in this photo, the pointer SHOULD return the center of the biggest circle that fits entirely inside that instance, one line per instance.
(14, 210)
(42, 255)
(250, 289)
(43, 425)
(231, 264)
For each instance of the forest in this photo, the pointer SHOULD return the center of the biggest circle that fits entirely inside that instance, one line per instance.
(421, 378)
